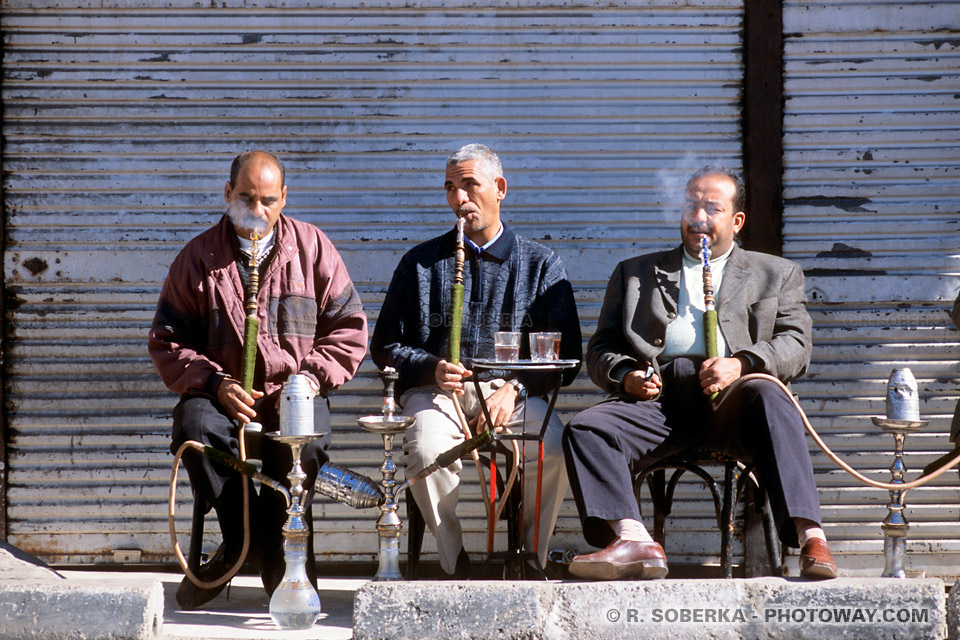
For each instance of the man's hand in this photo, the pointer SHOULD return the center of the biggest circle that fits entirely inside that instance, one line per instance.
(640, 386)
(450, 376)
(500, 404)
(716, 374)
(237, 402)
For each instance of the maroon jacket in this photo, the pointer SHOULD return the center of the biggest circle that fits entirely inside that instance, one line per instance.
(311, 318)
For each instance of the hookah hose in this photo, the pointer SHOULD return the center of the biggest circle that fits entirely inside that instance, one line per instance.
(249, 360)
(710, 307)
(710, 340)
(889, 486)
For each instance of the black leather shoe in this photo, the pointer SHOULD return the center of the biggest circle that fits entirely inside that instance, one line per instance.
(622, 559)
(190, 596)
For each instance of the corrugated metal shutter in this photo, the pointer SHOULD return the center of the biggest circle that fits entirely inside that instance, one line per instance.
(872, 196)
(120, 124)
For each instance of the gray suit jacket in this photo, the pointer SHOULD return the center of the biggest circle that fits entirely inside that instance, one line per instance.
(761, 310)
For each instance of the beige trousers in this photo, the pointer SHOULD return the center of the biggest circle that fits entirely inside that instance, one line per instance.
(437, 429)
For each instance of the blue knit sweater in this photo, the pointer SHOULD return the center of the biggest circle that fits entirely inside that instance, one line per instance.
(514, 285)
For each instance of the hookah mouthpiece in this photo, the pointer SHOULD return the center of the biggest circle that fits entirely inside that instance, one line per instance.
(348, 487)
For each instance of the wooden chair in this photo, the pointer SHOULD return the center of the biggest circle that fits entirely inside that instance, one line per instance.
(736, 475)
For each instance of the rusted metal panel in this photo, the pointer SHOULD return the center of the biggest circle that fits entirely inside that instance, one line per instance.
(871, 202)
(120, 121)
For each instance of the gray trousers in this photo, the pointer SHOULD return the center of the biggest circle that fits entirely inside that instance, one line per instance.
(437, 429)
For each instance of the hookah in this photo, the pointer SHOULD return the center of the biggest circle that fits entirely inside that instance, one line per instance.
(903, 417)
(388, 425)
(295, 603)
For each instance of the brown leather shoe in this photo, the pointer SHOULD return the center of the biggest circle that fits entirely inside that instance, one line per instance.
(622, 559)
(816, 562)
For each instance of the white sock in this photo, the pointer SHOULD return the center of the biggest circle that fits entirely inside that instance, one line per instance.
(628, 529)
(807, 533)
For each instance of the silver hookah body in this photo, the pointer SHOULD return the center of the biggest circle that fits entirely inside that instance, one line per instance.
(903, 417)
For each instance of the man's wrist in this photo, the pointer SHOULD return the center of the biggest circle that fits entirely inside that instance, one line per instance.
(519, 388)
(618, 374)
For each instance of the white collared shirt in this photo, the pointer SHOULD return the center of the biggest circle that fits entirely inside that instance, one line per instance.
(685, 333)
(478, 249)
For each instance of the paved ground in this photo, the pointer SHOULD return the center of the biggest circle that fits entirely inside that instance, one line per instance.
(244, 613)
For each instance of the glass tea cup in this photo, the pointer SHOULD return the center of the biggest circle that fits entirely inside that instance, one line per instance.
(545, 346)
(506, 345)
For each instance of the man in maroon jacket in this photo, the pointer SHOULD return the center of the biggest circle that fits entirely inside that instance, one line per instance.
(311, 323)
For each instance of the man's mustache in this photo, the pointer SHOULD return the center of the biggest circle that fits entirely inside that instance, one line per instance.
(699, 228)
(243, 218)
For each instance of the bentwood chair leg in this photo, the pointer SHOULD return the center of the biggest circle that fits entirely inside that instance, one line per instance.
(730, 475)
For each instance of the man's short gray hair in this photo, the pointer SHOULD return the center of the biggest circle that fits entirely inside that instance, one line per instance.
(489, 163)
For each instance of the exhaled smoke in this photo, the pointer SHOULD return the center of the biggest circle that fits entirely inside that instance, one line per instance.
(244, 220)
(672, 181)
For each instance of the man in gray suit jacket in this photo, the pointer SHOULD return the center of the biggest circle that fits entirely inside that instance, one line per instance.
(648, 351)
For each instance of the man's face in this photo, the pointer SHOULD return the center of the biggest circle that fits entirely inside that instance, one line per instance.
(708, 211)
(257, 198)
(475, 198)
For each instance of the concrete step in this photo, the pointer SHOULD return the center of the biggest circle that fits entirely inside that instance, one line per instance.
(36, 602)
(848, 608)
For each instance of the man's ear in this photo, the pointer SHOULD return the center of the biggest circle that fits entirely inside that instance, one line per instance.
(501, 183)
(227, 190)
(739, 219)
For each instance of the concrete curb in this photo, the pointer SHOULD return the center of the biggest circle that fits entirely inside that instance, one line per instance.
(953, 612)
(37, 603)
(112, 610)
(871, 609)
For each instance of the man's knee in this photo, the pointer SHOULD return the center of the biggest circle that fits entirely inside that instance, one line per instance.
(199, 418)
(431, 434)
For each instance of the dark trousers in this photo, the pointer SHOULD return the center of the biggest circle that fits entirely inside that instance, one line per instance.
(607, 444)
(202, 419)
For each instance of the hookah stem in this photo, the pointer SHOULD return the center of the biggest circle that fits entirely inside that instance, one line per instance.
(710, 307)
(456, 296)
(251, 325)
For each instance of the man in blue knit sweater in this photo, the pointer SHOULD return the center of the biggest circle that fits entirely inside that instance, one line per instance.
(510, 284)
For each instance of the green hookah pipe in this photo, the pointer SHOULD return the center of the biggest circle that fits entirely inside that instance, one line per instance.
(456, 296)
(250, 324)
(710, 307)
